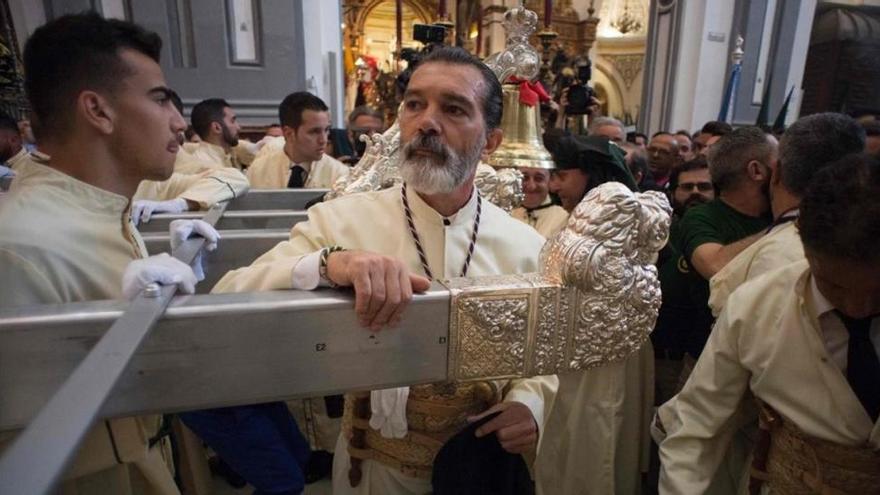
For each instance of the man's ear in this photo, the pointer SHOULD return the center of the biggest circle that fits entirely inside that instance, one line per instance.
(493, 141)
(96, 111)
(757, 171)
(216, 128)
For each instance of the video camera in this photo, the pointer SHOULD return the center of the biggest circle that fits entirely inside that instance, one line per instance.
(429, 33)
(580, 94)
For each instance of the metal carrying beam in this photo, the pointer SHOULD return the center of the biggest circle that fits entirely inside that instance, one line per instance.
(232, 220)
(277, 199)
(238, 248)
(222, 350)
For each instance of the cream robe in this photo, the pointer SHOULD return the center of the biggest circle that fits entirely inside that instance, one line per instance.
(374, 221)
(206, 188)
(597, 438)
(272, 171)
(62, 240)
(780, 247)
(767, 341)
(17, 159)
(547, 221)
(210, 155)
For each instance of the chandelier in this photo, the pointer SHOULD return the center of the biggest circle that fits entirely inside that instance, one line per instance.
(626, 22)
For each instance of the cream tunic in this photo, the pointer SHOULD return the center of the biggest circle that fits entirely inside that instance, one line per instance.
(271, 170)
(62, 240)
(596, 439)
(547, 220)
(210, 154)
(375, 222)
(206, 188)
(768, 341)
(780, 247)
(17, 159)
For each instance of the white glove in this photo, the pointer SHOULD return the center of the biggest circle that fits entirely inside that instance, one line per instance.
(143, 209)
(6, 171)
(181, 230)
(388, 408)
(162, 269)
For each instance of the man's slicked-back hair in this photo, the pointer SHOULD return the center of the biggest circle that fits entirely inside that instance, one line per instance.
(292, 107)
(206, 112)
(75, 53)
(730, 155)
(716, 128)
(814, 141)
(492, 96)
(839, 212)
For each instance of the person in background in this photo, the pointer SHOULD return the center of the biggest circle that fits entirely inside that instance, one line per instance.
(299, 160)
(608, 127)
(663, 157)
(801, 345)
(710, 131)
(685, 146)
(537, 209)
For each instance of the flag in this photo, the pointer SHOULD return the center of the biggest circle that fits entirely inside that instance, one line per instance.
(764, 112)
(726, 113)
(779, 123)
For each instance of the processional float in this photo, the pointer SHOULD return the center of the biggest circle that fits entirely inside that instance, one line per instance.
(593, 303)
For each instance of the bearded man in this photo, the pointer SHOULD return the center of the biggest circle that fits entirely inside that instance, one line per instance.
(390, 243)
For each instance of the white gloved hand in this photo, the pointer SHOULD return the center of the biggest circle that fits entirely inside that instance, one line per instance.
(143, 209)
(162, 269)
(388, 411)
(6, 171)
(181, 230)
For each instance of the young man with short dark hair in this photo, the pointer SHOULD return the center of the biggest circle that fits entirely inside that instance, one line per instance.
(299, 160)
(104, 119)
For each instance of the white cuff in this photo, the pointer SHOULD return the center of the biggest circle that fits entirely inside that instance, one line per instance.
(306, 273)
(531, 400)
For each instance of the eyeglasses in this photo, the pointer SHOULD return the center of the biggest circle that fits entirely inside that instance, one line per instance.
(700, 186)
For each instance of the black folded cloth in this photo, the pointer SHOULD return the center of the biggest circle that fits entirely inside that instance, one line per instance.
(467, 465)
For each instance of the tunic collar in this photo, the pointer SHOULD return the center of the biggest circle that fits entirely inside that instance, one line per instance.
(34, 171)
(819, 303)
(217, 152)
(423, 211)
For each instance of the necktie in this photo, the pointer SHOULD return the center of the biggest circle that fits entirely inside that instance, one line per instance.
(863, 365)
(297, 177)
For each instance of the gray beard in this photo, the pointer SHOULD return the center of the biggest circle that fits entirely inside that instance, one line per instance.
(439, 173)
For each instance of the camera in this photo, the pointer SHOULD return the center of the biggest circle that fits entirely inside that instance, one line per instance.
(580, 94)
(427, 33)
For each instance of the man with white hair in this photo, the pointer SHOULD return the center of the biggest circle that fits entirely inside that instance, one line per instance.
(610, 128)
(389, 244)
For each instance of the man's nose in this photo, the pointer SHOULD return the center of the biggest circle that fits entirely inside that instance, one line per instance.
(177, 122)
(428, 123)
